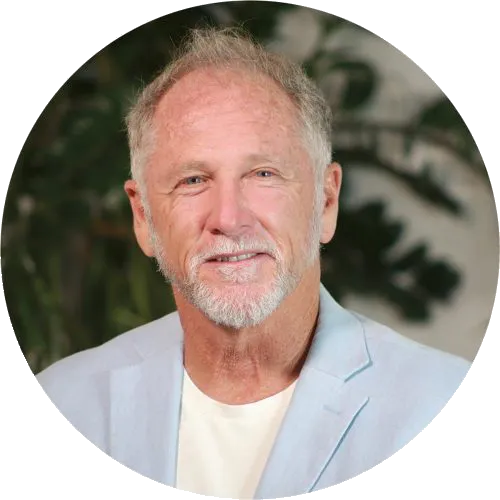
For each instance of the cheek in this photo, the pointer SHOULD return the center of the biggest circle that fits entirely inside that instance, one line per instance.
(285, 214)
(177, 225)
(268, 203)
(181, 215)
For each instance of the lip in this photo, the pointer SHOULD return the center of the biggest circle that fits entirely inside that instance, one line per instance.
(234, 254)
(251, 260)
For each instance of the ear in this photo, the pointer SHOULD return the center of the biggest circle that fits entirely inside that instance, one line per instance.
(141, 227)
(331, 190)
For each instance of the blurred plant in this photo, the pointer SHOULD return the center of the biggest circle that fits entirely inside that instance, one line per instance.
(73, 276)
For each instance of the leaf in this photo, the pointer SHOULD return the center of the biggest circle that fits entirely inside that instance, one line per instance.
(443, 118)
(411, 259)
(412, 306)
(441, 114)
(360, 83)
(438, 278)
(423, 184)
(260, 18)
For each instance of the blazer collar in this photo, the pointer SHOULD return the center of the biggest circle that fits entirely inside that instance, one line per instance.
(145, 404)
(339, 346)
(323, 408)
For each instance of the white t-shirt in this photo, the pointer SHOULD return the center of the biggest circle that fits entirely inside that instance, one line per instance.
(223, 448)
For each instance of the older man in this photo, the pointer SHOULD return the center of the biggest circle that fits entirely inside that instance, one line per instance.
(260, 385)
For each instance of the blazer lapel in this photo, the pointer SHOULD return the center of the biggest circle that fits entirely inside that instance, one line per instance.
(145, 412)
(323, 408)
(145, 406)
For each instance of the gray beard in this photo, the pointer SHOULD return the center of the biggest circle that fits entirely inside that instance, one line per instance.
(247, 307)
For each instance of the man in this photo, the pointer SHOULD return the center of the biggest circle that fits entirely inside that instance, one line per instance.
(260, 385)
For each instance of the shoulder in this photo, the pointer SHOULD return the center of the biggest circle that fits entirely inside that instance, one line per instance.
(409, 383)
(81, 385)
(127, 349)
(402, 365)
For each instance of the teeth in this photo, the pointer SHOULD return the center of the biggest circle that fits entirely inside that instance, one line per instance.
(236, 258)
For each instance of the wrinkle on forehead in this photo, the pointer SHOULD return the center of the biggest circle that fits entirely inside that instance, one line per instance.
(211, 86)
(206, 113)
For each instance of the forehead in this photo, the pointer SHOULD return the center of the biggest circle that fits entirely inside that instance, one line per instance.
(211, 92)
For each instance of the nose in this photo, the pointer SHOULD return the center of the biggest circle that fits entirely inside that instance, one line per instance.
(229, 214)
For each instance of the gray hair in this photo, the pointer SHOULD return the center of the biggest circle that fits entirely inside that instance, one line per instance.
(232, 48)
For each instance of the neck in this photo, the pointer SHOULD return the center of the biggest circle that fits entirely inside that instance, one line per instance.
(237, 367)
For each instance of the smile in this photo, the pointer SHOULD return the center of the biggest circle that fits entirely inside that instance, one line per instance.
(236, 259)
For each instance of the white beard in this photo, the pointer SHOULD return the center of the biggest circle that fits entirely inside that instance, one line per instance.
(252, 302)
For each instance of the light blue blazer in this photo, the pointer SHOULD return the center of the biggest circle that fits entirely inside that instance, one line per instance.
(363, 393)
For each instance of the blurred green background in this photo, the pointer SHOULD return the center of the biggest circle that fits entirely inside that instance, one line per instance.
(73, 275)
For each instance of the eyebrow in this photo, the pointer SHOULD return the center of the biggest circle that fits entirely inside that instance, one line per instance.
(250, 160)
(261, 158)
(190, 165)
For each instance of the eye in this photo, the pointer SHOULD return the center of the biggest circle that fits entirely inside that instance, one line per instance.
(193, 180)
(264, 173)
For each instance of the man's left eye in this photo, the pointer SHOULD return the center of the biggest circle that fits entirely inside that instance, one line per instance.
(264, 173)
(191, 181)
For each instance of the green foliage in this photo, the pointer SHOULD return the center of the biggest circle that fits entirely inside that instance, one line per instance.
(73, 275)
(360, 83)
(443, 121)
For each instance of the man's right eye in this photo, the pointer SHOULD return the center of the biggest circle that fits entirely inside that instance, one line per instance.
(193, 180)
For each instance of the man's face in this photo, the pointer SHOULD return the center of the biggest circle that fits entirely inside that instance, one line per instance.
(230, 192)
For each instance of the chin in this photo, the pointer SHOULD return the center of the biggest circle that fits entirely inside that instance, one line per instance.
(237, 315)
(237, 293)
(237, 306)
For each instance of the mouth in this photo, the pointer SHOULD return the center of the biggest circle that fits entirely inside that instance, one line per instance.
(236, 257)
